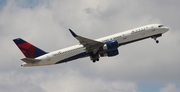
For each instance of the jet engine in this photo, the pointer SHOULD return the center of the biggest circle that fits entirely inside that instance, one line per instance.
(110, 49)
(111, 45)
(110, 53)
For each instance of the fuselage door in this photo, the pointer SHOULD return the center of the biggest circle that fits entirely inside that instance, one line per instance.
(153, 29)
(48, 58)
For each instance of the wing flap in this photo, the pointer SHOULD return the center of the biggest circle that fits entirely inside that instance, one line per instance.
(30, 60)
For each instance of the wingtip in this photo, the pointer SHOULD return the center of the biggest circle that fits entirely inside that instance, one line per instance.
(72, 33)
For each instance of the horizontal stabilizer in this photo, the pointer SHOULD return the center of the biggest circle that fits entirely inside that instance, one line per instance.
(30, 60)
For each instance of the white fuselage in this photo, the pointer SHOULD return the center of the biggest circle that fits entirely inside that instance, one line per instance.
(79, 51)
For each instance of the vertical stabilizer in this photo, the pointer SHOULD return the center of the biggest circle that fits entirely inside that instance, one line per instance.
(29, 50)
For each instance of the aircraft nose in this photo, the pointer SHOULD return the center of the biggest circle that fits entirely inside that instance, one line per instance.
(166, 28)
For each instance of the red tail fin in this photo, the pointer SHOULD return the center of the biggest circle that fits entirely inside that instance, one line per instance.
(29, 50)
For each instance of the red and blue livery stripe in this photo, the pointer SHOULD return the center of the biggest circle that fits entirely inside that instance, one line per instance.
(29, 50)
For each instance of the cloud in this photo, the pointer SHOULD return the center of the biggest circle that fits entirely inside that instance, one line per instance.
(15, 81)
(46, 23)
(170, 88)
(77, 82)
(67, 82)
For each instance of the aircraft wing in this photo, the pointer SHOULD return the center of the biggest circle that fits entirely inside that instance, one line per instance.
(89, 44)
(30, 60)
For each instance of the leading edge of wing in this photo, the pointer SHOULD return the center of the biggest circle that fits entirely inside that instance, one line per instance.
(86, 42)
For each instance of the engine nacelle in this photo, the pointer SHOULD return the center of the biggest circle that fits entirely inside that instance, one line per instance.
(111, 45)
(110, 53)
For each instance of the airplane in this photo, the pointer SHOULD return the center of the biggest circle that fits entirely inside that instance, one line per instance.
(102, 47)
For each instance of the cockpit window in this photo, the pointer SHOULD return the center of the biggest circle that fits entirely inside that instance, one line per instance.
(160, 25)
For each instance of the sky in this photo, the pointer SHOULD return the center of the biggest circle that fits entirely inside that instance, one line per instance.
(143, 66)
